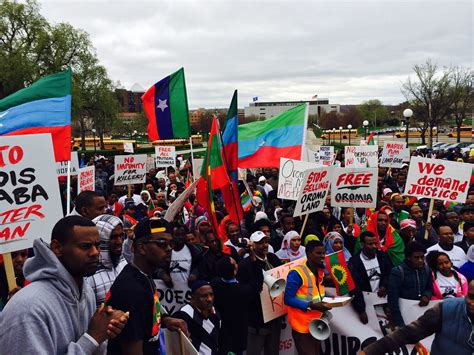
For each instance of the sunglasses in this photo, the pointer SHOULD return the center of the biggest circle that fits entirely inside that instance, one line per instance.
(161, 243)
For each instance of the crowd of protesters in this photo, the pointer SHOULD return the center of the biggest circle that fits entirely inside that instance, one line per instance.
(92, 288)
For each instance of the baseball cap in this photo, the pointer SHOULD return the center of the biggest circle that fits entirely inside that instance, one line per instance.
(149, 226)
(257, 236)
(407, 223)
(386, 191)
(129, 203)
(262, 178)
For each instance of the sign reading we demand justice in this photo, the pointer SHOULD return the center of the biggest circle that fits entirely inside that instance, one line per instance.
(130, 169)
(30, 204)
(438, 179)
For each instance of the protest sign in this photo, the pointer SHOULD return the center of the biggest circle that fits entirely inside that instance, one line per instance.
(291, 177)
(323, 155)
(128, 147)
(165, 156)
(150, 162)
(394, 154)
(197, 166)
(314, 190)
(61, 169)
(172, 299)
(86, 179)
(354, 187)
(30, 204)
(274, 307)
(177, 343)
(438, 179)
(361, 156)
(130, 169)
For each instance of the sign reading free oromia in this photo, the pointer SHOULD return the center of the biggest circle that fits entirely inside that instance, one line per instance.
(30, 204)
(354, 187)
(130, 169)
(438, 179)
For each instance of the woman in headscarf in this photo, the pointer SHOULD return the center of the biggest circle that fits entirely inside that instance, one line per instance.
(291, 248)
(334, 242)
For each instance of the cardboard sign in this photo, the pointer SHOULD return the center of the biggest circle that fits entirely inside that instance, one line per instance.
(128, 147)
(291, 177)
(361, 156)
(394, 154)
(438, 179)
(130, 169)
(197, 166)
(86, 179)
(314, 191)
(172, 299)
(323, 156)
(274, 307)
(61, 169)
(178, 344)
(30, 204)
(165, 156)
(354, 187)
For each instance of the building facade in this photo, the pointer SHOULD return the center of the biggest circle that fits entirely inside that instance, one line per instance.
(269, 109)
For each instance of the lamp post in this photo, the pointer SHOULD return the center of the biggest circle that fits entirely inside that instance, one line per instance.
(366, 127)
(340, 134)
(407, 113)
(93, 132)
(333, 135)
(349, 127)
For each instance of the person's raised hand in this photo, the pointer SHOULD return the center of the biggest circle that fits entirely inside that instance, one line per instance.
(176, 324)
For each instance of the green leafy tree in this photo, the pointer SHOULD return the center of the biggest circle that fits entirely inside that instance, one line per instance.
(374, 111)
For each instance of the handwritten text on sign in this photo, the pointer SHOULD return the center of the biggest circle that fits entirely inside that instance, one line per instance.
(172, 299)
(394, 154)
(314, 191)
(291, 177)
(29, 194)
(86, 179)
(61, 169)
(361, 156)
(130, 169)
(165, 156)
(354, 187)
(438, 179)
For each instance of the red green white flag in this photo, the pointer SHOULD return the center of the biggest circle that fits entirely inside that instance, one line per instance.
(339, 272)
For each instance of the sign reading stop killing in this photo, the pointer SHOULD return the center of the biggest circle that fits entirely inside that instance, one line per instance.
(30, 204)
(314, 190)
(438, 179)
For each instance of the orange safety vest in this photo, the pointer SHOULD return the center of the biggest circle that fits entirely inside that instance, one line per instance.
(310, 290)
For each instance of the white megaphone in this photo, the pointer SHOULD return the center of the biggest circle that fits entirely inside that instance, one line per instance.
(319, 327)
(275, 286)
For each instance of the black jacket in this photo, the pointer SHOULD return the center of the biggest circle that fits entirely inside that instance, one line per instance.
(359, 274)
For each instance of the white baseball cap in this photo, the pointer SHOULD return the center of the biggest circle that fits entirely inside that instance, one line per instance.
(257, 236)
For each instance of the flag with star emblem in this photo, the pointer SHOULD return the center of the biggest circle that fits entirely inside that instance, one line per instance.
(166, 106)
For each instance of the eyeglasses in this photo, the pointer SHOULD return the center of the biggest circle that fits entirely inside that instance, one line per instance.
(161, 243)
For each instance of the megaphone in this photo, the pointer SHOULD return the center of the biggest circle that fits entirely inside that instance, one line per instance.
(276, 286)
(319, 327)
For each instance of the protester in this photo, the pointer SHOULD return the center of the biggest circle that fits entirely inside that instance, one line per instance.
(135, 292)
(407, 230)
(452, 220)
(468, 236)
(89, 204)
(236, 242)
(446, 244)
(410, 280)
(447, 282)
(303, 295)
(58, 309)
(416, 213)
(207, 267)
(450, 321)
(468, 268)
(398, 214)
(18, 259)
(291, 248)
(201, 318)
(111, 261)
(334, 242)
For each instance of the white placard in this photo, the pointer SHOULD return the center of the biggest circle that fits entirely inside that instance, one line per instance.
(354, 187)
(61, 169)
(314, 190)
(438, 179)
(172, 299)
(130, 169)
(365, 156)
(394, 153)
(150, 162)
(128, 147)
(86, 179)
(324, 155)
(197, 166)
(30, 204)
(291, 177)
(165, 156)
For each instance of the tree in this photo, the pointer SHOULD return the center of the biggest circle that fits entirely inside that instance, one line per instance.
(429, 96)
(462, 96)
(373, 111)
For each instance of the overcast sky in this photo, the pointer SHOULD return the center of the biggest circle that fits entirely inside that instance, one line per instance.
(347, 51)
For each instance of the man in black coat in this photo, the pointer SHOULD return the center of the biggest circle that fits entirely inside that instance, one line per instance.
(370, 268)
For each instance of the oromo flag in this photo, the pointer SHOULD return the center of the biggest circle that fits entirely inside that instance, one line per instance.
(340, 274)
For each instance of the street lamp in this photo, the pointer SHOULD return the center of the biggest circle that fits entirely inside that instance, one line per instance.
(93, 132)
(349, 127)
(407, 113)
(366, 128)
(333, 135)
(340, 134)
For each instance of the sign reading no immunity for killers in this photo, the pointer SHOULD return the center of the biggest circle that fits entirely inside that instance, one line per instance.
(130, 169)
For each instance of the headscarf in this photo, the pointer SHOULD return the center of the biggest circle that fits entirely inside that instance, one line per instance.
(147, 200)
(105, 224)
(328, 243)
(286, 252)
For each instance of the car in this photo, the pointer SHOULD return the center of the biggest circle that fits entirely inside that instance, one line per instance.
(459, 145)
(441, 147)
(467, 148)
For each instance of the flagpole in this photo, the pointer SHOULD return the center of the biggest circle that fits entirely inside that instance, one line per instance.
(305, 128)
(192, 155)
(68, 191)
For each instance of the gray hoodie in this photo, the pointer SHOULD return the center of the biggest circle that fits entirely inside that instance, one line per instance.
(50, 315)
